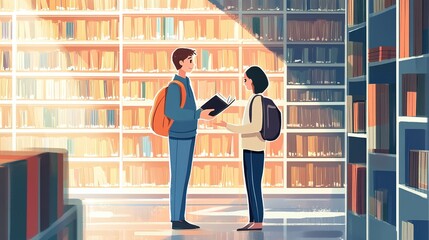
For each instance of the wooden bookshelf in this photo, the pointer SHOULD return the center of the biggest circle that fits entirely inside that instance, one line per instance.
(82, 75)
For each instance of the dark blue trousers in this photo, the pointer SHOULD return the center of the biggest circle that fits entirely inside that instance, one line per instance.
(253, 169)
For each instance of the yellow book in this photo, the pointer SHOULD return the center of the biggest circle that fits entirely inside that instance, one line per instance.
(27, 31)
(81, 30)
(127, 118)
(139, 27)
(141, 118)
(101, 89)
(127, 28)
(52, 4)
(63, 29)
(207, 175)
(161, 61)
(149, 62)
(150, 90)
(210, 28)
(114, 29)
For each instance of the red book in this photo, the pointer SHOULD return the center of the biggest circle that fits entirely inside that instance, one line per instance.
(407, 27)
(33, 213)
(349, 186)
(361, 179)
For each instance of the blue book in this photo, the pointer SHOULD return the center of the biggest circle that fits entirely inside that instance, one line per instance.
(205, 59)
(17, 198)
(159, 34)
(109, 117)
(256, 26)
(425, 41)
(420, 229)
(4, 202)
(169, 28)
(143, 90)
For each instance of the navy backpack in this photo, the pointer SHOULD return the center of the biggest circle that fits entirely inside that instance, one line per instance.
(271, 119)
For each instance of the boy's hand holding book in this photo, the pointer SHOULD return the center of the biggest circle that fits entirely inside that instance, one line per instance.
(205, 114)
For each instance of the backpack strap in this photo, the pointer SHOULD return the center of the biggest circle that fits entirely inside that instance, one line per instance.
(250, 107)
(182, 92)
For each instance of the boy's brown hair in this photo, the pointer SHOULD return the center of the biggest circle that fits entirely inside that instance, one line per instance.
(181, 54)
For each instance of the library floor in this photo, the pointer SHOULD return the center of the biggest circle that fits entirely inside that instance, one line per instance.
(285, 218)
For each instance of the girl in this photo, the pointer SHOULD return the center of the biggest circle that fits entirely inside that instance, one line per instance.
(253, 144)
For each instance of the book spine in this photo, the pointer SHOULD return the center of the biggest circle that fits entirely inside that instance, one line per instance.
(4, 202)
(18, 199)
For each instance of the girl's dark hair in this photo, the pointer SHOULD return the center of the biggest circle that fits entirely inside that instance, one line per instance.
(181, 54)
(259, 79)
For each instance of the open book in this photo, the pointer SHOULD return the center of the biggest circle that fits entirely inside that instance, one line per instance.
(218, 103)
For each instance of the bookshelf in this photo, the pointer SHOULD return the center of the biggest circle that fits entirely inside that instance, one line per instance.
(413, 114)
(35, 197)
(82, 75)
(387, 74)
(314, 55)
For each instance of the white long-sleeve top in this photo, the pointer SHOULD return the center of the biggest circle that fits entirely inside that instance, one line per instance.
(251, 138)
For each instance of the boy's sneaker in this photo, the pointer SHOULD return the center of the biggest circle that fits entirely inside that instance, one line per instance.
(183, 224)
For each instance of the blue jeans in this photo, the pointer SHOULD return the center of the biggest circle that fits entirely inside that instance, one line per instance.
(253, 169)
(181, 155)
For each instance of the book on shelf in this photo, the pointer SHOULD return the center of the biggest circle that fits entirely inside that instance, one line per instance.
(355, 59)
(93, 175)
(323, 145)
(315, 117)
(215, 146)
(379, 5)
(356, 114)
(382, 203)
(315, 175)
(319, 30)
(413, 28)
(418, 169)
(315, 95)
(356, 188)
(413, 95)
(381, 53)
(379, 118)
(5, 60)
(218, 103)
(17, 197)
(314, 76)
(314, 55)
(4, 202)
(415, 230)
(316, 5)
(356, 12)
(53, 5)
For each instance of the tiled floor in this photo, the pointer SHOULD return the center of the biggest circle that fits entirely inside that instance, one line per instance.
(285, 218)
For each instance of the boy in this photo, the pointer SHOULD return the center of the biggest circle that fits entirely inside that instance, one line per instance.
(182, 135)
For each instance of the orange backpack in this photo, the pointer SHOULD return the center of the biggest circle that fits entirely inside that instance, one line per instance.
(159, 122)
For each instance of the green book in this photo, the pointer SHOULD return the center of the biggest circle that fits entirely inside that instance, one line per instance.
(256, 26)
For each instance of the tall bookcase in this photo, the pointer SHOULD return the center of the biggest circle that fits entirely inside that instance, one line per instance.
(315, 97)
(387, 113)
(82, 75)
